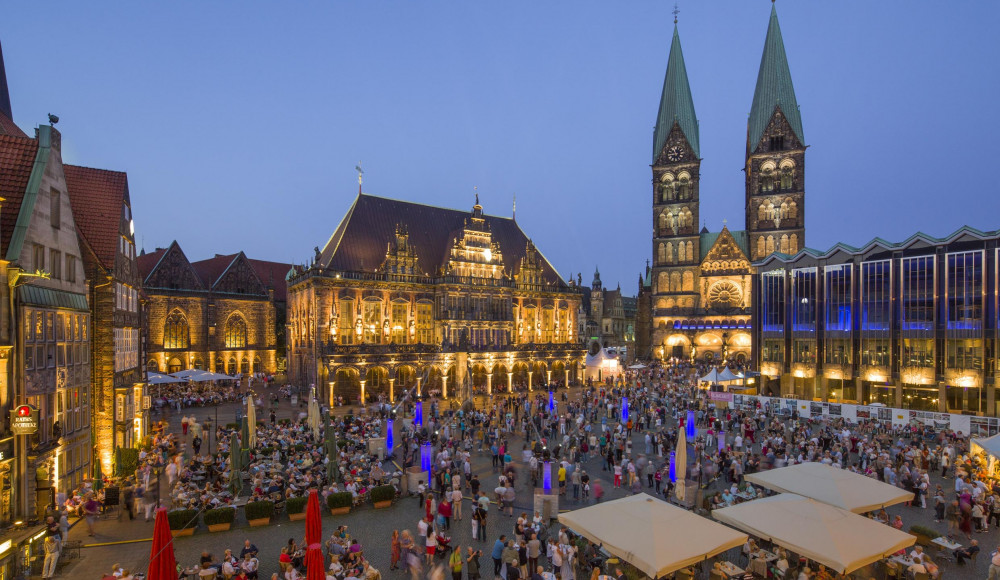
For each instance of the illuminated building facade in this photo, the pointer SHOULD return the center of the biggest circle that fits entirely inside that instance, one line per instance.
(120, 405)
(224, 314)
(909, 325)
(408, 295)
(694, 301)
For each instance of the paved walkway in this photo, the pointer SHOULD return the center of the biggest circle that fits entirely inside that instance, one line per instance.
(127, 542)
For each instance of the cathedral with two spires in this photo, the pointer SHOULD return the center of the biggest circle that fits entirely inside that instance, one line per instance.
(694, 300)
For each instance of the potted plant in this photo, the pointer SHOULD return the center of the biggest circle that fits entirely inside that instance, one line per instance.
(220, 519)
(182, 522)
(259, 513)
(340, 503)
(383, 495)
(924, 534)
(296, 508)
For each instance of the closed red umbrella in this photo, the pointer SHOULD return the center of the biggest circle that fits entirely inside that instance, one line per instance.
(315, 565)
(162, 563)
(314, 522)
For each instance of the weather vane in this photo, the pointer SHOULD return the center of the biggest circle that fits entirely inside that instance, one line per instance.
(676, 12)
(475, 189)
(360, 172)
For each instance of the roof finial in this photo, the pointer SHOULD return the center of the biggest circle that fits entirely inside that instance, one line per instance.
(513, 211)
(677, 11)
(476, 189)
(360, 173)
(724, 222)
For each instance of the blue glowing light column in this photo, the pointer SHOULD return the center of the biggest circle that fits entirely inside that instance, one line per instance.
(552, 402)
(673, 467)
(418, 414)
(689, 427)
(426, 458)
(547, 477)
(722, 440)
(624, 409)
(388, 437)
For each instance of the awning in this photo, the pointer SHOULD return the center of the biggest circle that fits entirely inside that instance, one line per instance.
(837, 487)
(652, 535)
(836, 538)
(990, 445)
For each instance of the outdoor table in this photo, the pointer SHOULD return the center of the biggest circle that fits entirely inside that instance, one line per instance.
(765, 555)
(731, 570)
(946, 543)
(904, 561)
(191, 572)
(744, 496)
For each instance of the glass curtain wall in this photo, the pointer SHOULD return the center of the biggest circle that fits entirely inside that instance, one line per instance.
(876, 327)
(964, 331)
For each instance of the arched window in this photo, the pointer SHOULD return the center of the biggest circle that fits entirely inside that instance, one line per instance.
(666, 187)
(690, 251)
(663, 221)
(669, 253)
(236, 332)
(152, 366)
(767, 179)
(175, 331)
(231, 367)
(793, 210)
(793, 244)
(684, 191)
(661, 253)
(256, 365)
(675, 282)
(761, 213)
(784, 243)
(770, 245)
(761, 248)
(784, 210)
(787, 176)
(681, 253)
(688, 282)
(661, 282)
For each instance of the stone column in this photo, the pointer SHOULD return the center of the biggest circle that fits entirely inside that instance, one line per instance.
(510, 382)
(489, 384)
(529, 379)
(566, 370)
(363, 392)
(548, 378)
(942, 397)
(418, 386)
(444, 386)
(392, 391)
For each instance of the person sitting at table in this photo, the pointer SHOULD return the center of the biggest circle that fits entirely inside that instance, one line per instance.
(206, 562)
(727, 497)
(751, 492)
(917, 567)
(932, 569)
(917, 552)
(882, 516)
(962, 553)
(780, 566)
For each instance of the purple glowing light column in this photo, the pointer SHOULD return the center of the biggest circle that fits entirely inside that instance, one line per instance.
(388, 437)
(624, 409)
(673, 467)
(547, 477)
(722, 440)
(689, 427)
(426, 457)
(552, 402)
(418, 414)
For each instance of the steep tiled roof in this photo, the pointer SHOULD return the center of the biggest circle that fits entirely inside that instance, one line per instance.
(707, 240)
(676, 103)
(273, 274)
(209, 270)
(17, 157)
(96, 196)
(148, 261)
(7, 127)
(774, 88)
(359, 242)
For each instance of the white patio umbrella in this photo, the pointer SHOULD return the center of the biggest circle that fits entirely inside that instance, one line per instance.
(187, 373)
(161, 379)
(638, 366)
(251, 422)
(206, 376)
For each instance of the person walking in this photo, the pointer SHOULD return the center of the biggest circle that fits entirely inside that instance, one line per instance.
(51, 557)
(455, 563)
(394, 550)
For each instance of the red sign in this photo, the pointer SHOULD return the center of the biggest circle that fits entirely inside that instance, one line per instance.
(23, 411)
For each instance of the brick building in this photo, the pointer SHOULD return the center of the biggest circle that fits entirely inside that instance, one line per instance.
(103, 211)
(224, 314)
(409, 295)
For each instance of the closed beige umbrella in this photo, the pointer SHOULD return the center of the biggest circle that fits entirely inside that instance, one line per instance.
(680, 464)
(251, 422)
(652, 535)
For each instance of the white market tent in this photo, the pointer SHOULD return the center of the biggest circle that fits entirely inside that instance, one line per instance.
(160, 379)
(711, 377)
(602, 365)
(837, 487)
(838, 539)
(652, 535)
(989, 445)
(728, 375)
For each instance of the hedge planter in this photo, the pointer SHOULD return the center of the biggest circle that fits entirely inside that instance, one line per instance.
(220, 519)
(259, 513)
(296, 508)
(182, 522)
(340, 503)
(383, 495)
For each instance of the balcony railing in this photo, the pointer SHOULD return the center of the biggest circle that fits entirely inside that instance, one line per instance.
(397, 349)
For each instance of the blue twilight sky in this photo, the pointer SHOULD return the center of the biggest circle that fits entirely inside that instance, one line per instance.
(240, 123)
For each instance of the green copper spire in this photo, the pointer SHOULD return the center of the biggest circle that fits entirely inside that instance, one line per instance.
(774, 87)
(676, 103)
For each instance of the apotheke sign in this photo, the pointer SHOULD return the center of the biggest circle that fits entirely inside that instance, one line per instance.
(24, 420)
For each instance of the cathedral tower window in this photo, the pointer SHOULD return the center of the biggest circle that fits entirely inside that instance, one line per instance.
(681, 253)
(767, 179)
(175, 331)
(784, 243)
(761, 246)
(675, 282)
(688, 282)
(684, 189)
(787, 177)
(793, 244)
(770, 245)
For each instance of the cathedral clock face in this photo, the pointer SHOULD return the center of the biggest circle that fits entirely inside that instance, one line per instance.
(675, 153)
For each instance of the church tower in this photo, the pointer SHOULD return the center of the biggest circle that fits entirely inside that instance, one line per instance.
(775, 163)
(676, 166)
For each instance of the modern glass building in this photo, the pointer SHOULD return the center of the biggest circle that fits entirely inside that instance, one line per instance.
(910, 325)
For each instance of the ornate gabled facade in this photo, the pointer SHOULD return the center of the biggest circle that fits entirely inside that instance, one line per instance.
(610, 318)
(224, 314)
(407, 295)
(694, 300)
(103, 212)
